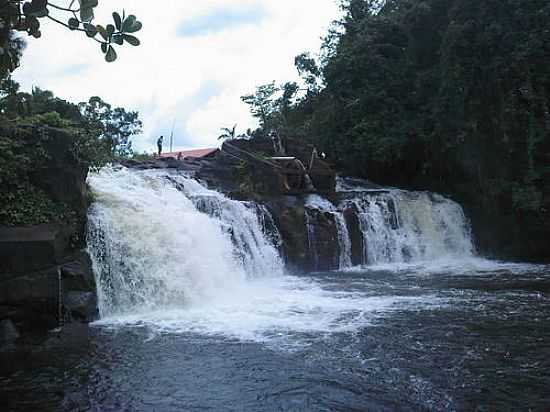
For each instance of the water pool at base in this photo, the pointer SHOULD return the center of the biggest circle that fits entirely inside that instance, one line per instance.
(468, 335)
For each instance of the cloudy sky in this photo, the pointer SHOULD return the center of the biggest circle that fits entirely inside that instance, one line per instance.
(196, 59)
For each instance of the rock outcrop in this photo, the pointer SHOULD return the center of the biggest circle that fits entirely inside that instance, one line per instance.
(44, 283)
(45, 276)
(254, 170)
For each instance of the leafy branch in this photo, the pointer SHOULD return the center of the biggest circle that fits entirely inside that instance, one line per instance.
(24, 15)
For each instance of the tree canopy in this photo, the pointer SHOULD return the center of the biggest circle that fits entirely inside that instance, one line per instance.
(95, 133)
(447, 95)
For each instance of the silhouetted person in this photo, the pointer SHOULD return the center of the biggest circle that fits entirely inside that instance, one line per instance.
(159, 144)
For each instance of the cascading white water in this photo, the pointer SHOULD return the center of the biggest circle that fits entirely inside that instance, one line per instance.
(399, 226)
(153, 247)
(311, 239)
(174, 256)
(245, 222)
(344, 242)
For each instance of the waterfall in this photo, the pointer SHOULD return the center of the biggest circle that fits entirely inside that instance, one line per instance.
(344, 242)
(162, 240)
(311, 239)
(321, 205)
(397, 226)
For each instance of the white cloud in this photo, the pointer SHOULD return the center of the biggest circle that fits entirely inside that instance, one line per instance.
(192, 66)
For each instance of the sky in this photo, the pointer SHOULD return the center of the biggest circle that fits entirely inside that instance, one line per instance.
(195, 61)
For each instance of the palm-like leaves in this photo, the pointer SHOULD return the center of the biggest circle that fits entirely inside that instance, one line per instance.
(227, 133)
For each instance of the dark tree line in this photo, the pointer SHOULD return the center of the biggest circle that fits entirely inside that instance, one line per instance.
(447, 95)
(32, 128)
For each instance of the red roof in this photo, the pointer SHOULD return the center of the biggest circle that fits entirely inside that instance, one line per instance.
(185, 154)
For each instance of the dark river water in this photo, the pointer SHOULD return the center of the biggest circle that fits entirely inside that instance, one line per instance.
(473, 336)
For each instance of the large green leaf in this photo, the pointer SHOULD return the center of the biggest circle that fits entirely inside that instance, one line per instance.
(129, 23)
(118, 20)
(102, 31)
(134, 41)
(86, 14)
(117, 39)
(87, 9)
(111, 54)
(36, 8)
(91, 30)
(73, 23)
(135, 27)
(88, 3)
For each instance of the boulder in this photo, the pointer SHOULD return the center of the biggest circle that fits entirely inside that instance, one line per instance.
(35, 288)
(289, 215)
(323, 241)
(33, 298)
(82, 306)
(31, 248)
(77, 274)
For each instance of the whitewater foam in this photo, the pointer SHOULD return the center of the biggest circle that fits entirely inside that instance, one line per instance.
(174, 256)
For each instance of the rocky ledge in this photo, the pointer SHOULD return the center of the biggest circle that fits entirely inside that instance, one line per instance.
(46, 277)
(252, 170)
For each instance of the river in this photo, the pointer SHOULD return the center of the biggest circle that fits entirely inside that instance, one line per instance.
(199, 312)
(458, 336)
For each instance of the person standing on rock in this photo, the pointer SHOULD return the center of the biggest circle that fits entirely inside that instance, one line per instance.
(159, 144)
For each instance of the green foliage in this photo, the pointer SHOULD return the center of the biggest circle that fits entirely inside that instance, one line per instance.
(442, 94)
(39, 131)
(227, 133)
(115, 125)
(24, 16)
(21, 202)
(271, 105)
(144, 156)
(261, 103)
(52, 119)
(29, 205)
(309, 70)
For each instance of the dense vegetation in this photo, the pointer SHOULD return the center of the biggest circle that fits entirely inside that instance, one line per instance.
(447, 95)
(41, 134)
(33, 126)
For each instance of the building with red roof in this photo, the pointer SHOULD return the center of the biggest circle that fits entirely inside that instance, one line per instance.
(192, 154)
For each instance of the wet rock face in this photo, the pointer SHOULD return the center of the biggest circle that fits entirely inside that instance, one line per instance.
(41, 264)
(32, 248)
(239, 171)
(82, 306)
(33, 260)
(356, 237)
(289, 215)
(310, 237)
(322, 240)
(78, 275)
(31, 300)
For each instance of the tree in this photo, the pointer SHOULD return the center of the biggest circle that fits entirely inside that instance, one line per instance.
(227, 133)
(261, 103)
(23, 16)
(309, 71)
(115, 126)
